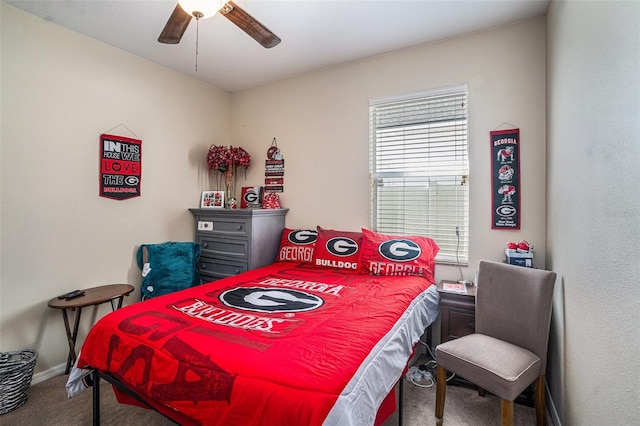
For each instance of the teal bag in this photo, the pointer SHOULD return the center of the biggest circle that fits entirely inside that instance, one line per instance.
(168, 267)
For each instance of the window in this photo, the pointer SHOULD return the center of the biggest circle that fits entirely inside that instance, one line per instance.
(419, 169)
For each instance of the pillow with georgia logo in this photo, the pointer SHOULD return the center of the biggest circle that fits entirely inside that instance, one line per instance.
(296, 245)
(337, 249)
(397, 255)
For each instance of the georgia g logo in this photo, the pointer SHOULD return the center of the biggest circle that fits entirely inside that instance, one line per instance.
(131, 180)
(341, 246)
(506, 210)
(270, 300)
(302, 237)
(250, 197)
(400, 250)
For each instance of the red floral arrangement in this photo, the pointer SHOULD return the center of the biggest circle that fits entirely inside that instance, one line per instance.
(225, 160)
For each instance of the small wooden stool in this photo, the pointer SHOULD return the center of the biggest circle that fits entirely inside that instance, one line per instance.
(92, 297)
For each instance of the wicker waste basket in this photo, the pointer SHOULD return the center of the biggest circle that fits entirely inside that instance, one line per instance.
(16, 371)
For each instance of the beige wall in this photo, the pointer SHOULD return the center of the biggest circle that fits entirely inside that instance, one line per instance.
(320, 121)
(60, 91)
(593, 210)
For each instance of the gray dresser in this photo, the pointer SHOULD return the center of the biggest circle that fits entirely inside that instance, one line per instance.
(236, 240)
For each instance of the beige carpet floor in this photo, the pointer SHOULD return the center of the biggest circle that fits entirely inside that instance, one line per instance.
(48, 405)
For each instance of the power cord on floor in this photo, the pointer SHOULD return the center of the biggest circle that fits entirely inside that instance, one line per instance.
(425, 372)
(420, 377)
(428, 349)
(423, 375)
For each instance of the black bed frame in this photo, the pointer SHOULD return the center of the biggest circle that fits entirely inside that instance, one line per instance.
(97, 375)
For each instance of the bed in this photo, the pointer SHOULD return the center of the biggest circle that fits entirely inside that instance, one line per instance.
(320, 337)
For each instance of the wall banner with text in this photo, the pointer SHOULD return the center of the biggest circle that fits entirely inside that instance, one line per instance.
(120, 167)
(274, 170)
(505, 179)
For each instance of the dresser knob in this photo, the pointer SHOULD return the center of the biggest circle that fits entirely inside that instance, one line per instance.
(203, 266)
(238, 271)
(239, 227)
(205, 245)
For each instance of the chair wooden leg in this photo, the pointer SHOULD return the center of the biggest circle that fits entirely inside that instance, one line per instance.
(441, 392)
(541, 407)
(506, 412)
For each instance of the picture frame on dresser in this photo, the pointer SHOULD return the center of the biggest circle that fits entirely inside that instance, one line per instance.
(212, 200)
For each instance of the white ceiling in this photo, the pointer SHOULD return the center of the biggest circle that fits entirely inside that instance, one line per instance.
(315, 34)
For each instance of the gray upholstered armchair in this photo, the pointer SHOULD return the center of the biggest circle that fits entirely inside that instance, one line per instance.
(508, 351)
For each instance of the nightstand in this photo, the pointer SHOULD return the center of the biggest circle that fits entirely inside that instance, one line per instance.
(457, 312)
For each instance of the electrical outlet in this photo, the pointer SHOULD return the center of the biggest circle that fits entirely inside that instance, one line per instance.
(205, 225)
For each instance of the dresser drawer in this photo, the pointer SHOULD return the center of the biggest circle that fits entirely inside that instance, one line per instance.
(461, 324)
(237, 227)
(212, 269)
(230, 248)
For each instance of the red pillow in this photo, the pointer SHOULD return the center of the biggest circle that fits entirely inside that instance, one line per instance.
(296, 245)
(337, 249)
(397, 255)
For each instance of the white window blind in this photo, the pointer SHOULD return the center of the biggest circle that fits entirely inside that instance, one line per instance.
(419, 169)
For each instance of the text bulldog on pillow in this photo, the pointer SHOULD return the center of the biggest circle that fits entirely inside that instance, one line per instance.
(337, 249)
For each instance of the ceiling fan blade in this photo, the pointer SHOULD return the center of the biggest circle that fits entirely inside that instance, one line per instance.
(249, 25)
(175, 26)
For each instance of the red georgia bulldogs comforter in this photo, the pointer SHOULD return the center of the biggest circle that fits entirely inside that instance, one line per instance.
(286, 344)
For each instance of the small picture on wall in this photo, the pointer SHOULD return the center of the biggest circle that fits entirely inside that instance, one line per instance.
(212, 200)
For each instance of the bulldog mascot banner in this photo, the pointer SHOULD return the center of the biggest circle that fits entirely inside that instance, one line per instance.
(120, 167)
(505, 178)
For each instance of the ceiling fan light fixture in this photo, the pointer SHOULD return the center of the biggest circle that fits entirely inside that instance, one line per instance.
(185, 10)
(201, 9)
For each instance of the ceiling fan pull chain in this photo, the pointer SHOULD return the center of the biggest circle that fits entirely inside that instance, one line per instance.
(197, 27)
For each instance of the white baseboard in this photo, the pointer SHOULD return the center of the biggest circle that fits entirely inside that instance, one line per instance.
(41, 376)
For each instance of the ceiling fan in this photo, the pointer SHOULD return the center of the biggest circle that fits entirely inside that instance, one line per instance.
(186, 9)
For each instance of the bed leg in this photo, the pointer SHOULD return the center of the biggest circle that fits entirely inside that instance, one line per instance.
(401, 399)
(96, 398)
